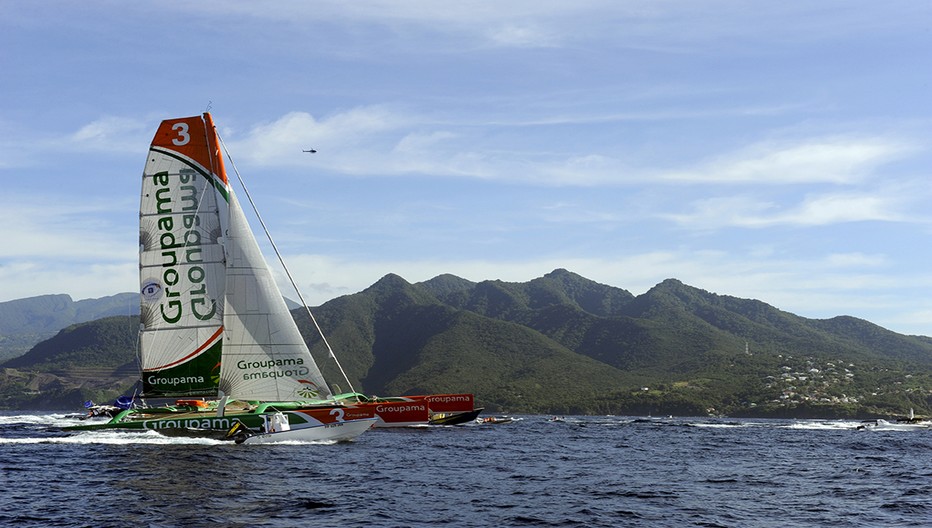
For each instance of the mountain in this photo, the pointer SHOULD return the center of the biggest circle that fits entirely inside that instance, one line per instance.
(563, 344)
(93, 360)
(581, 346)
(26, 322)
(398, 338)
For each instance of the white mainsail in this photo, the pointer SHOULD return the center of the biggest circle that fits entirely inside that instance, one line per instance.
(181, 271)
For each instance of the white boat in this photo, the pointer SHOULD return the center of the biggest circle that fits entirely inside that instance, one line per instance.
(280, 430)
(495, 420)
(884, 425)
(214, 327)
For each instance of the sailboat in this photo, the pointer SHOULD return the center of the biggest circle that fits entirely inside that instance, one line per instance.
(215, 333)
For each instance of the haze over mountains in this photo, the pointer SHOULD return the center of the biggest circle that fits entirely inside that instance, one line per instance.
(26, 322)
(556, 344)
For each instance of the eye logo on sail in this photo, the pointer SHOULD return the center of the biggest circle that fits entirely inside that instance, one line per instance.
(151, 290)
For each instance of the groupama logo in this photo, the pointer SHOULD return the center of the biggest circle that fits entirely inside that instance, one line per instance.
(309, 389)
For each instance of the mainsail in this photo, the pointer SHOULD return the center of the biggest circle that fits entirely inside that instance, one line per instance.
(213, 319)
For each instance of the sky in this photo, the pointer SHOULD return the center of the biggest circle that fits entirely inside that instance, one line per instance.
(777, 151)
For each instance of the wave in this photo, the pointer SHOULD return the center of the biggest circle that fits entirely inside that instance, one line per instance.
(112, 438)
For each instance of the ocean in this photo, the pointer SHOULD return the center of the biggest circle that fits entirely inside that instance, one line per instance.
(585, 471)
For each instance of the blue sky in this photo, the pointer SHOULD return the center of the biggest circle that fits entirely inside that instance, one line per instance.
(770, 150)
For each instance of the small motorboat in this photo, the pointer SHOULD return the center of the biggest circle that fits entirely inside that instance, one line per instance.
(493, 420)
(884, 425)
(454, 418)
(276, 429)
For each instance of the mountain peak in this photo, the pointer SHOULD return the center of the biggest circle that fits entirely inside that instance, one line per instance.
(395, 290)
(446, 284)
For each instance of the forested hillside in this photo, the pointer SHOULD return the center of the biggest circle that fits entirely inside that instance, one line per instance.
(26, 322)
(563, 344)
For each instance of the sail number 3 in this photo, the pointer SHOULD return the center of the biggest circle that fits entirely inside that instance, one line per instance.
(183, 136)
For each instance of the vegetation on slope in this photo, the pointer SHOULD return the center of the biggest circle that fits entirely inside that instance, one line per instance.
(94, 360)
(564, 344)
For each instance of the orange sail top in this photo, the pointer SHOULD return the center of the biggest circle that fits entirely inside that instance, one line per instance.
(194, 138)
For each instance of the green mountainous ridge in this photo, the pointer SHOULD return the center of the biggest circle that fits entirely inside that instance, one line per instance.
(558, 344)
(25, 322)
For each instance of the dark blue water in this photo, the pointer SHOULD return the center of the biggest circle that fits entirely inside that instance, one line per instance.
(588, 471)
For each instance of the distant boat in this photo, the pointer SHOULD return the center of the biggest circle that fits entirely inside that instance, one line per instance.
(215, 332)
(454, 418)
(495, 420)
(884, 425)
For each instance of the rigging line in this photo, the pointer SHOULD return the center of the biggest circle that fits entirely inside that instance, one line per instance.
(285, 267)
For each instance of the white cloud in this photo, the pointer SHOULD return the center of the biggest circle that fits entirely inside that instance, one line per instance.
(50, 227)
(658, 26)
(815, 210)
(850, 260)
(844, 207)
(420, 143)
(522, 36)
(113, 134)
(338, 138)
(519, 24)
(381, 140)
(23, 279)
(56, 245)
(819, 160)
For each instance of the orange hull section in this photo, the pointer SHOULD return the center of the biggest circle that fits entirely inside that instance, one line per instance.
(397, 413)
(416, 410)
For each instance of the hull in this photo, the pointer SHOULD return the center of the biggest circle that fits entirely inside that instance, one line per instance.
(333, 432)
(396, 413)
(172, 421)
(419, 410)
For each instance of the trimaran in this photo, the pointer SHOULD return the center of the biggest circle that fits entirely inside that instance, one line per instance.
(215, 333)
